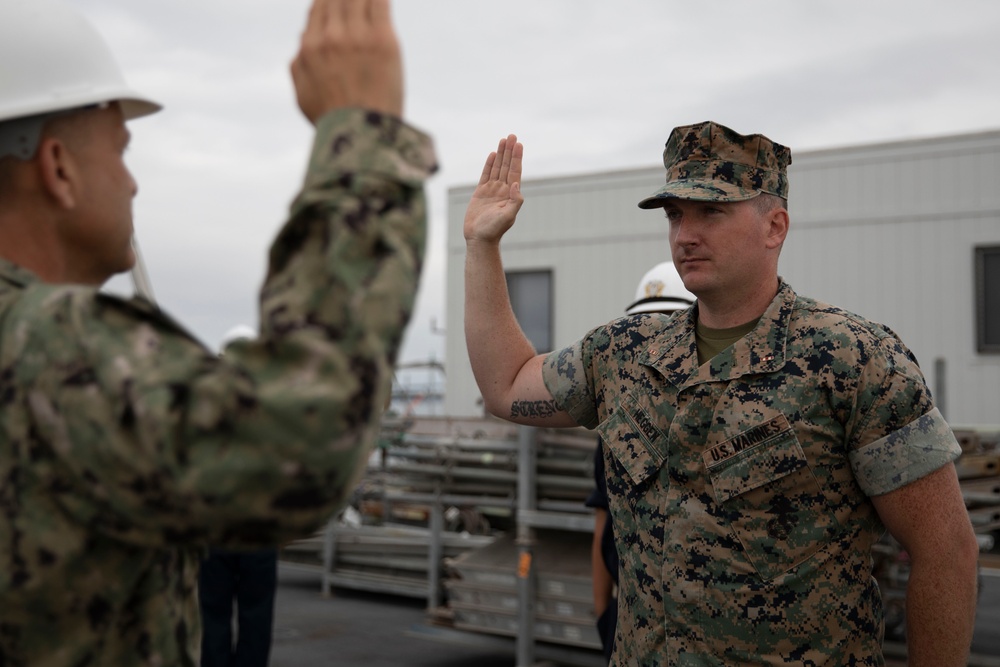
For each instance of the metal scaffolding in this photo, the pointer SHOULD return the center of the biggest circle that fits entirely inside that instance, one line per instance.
(486, 521)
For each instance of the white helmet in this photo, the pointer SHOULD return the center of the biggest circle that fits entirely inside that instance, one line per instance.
(238, 332)
(661, 290)
(53, 60)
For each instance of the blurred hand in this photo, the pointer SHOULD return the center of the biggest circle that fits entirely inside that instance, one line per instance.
(349, 57)
(497, 199)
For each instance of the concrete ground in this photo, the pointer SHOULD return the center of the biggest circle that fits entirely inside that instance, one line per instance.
(352, 628)
(357, 629)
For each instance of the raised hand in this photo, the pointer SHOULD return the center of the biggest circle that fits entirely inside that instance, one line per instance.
(349, 57)
(497, 199)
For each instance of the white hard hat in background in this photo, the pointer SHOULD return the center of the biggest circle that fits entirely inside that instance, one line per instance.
(239, 332)
(660, 290)
(53, 60)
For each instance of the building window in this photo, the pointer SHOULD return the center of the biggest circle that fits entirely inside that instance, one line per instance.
(988, 299)
(531, 299)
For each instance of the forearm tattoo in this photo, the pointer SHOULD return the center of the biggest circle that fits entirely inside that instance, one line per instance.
(533, 409)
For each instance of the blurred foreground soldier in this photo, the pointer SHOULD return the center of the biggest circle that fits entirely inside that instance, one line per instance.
(756, 446)
(660, 291)
(126, 445)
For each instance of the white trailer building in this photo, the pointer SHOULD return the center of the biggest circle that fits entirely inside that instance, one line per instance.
(904, 233)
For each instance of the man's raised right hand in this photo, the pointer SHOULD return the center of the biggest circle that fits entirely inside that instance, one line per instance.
(497, 199)
(349, 57)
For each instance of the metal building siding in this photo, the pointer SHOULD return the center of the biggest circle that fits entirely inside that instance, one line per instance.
(886, 231)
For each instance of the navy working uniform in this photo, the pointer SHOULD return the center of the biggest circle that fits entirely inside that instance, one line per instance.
(126, 446)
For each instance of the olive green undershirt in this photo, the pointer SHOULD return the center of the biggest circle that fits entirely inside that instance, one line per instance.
(712, 341)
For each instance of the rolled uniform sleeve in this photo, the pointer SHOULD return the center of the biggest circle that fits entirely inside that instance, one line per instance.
(898, 435)
(566, 376)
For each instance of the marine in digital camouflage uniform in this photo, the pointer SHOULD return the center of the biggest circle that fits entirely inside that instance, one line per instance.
(751, 463)
(126, 446)
(739, 488)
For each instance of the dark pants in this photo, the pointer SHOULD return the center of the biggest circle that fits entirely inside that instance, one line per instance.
(607, 624)
(249, 579)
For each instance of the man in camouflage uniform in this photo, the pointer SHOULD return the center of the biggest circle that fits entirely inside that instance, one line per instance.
(758, 443)
(126, 446)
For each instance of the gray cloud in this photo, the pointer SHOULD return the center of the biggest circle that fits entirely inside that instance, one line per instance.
(588, 85)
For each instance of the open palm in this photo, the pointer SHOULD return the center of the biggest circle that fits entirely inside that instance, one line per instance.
(497, 198)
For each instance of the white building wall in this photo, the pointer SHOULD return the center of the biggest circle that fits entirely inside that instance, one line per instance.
(887, 231)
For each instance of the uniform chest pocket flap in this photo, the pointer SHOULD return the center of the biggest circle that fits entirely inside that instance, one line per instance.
(632, 436)
(770, 497)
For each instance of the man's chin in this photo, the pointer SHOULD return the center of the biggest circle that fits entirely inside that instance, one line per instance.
(126, 265)
(694, 280)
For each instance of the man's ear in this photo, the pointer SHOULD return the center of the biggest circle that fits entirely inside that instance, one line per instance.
(777, 229)
(57, 171)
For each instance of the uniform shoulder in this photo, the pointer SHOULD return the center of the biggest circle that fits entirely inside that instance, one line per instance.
(819, 315)
(645, 326)
(65, 318)
(627, 336)
(815, 320)
(630, 332)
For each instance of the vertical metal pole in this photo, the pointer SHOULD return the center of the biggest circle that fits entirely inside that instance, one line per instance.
(384, 467)
(940, 386)
(526, 576)
(435, 551)
(329, 555)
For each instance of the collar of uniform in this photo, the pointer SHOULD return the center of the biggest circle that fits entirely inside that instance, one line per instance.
(16, 275)
(675, 355)
(763, 349)
(673, 352)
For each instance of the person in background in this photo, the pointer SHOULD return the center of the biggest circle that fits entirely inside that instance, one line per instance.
(127, 446)
(247, 579)
(660, 291)
(756, 445)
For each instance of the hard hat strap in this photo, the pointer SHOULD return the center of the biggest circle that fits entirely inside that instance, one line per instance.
(19, 136)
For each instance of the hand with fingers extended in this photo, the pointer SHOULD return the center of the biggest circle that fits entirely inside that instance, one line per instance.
(349, 57)
(497, 199)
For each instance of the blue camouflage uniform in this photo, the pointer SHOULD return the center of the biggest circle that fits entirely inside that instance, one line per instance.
(740, 489)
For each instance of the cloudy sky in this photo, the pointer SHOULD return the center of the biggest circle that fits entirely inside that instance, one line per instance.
(587, 85)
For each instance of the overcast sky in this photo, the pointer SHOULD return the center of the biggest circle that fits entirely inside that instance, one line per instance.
(587, 85)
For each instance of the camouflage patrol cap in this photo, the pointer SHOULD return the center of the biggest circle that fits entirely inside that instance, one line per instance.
(710, 162)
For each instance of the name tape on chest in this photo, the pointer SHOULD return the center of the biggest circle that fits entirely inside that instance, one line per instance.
(745, 440)
(645, 424)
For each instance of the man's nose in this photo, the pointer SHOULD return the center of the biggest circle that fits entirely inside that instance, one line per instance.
(683, 231)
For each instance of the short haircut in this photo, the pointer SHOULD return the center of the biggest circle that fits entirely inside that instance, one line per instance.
(765, 202)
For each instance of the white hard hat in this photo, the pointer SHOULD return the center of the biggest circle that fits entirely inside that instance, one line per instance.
(239, 332)
(52, 60)
(660, 290)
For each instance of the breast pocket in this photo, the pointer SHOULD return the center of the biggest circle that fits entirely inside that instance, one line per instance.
(770, 497)
(634, 440)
